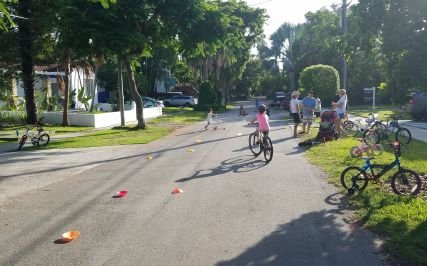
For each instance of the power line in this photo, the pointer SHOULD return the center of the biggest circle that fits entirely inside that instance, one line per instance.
(260, 3)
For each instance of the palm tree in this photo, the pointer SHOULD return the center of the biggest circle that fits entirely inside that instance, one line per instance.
(283, 40)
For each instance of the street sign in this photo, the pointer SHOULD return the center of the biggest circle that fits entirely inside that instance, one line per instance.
(369, 95)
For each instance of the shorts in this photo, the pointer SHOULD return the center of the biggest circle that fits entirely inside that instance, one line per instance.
(341, 116)
(296, 118)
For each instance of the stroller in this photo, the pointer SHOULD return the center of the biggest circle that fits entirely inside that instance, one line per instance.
(327, 130)
(327, 127)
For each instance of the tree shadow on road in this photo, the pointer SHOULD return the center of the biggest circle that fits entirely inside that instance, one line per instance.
(236, 165)
(315, 238)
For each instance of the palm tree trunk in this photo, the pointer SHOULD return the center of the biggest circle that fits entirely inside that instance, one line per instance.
(121, 98)
(65, 121)
(26, 49)
(135, 95)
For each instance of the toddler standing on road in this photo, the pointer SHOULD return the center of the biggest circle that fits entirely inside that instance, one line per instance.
(209, 118)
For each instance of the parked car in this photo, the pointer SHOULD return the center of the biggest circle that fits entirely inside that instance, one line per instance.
(149, 102)
(180, 101)
(418, 105)
(281, 100)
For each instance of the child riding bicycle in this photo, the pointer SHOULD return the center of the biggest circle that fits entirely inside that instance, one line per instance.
(263, 122)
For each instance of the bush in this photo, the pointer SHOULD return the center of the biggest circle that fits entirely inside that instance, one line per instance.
(323, 79)
(208, 98)
(205, 107)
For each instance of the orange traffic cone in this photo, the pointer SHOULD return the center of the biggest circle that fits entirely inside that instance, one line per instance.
(177, 190)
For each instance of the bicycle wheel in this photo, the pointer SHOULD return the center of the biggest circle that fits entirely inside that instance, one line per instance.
(355, 151)
(403, 135)
(379, 126)
(353, 179)
(268, 149)
(351, 128)
(22, 142)
(43, 140)
(406, 182)
(376, 149)
(371, 136)
(255, 148)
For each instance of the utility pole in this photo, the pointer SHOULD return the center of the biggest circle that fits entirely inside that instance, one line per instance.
(344, 32)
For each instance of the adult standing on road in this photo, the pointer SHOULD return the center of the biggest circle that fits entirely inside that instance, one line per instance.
(295, 111)
(340, 109)
(308, 106)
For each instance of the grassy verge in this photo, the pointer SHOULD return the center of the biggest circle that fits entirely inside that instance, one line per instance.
(401, 220)
(111, 137)
(156, 128)
(383, 111)
(8, 134)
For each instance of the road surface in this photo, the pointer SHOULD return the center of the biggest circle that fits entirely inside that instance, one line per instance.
(235, 209)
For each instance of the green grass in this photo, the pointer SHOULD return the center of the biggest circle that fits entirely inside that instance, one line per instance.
(156, 128)
(176, 115)
(111, 137)
(8, 134)
(383, 111)
(401, 220)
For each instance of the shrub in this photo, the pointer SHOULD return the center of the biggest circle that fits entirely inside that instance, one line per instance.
(323, 79)
(208, 98)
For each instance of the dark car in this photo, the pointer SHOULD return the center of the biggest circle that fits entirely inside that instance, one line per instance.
(418, 105)
(281, 101)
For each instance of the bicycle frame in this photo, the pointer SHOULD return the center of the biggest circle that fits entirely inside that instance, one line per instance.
(384, 167)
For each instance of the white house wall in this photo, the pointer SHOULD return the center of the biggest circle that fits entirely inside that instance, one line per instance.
(100, 120)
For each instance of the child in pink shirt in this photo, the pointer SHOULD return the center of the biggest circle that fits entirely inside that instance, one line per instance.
(263, 123)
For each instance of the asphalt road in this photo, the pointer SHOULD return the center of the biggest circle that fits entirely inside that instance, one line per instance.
(235, 209)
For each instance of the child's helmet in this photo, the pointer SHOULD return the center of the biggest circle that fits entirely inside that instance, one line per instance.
(261, 108)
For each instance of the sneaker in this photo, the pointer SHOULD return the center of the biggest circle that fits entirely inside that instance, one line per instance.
(302, 132)
(257, 142)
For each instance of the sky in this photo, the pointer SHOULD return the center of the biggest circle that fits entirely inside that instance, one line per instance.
(291, 11)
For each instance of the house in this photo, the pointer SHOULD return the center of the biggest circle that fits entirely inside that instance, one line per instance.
(51, 77)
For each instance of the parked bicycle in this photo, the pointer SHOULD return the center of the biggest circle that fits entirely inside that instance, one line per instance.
(403, 182)
(382, 131)
(353, 128)
(373, 149)
(39, 137)
(263, 145)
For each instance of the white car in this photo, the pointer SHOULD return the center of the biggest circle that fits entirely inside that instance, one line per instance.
(187, 101)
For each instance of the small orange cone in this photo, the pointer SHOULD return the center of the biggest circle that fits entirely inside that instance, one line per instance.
(177, 190)
(71, 235)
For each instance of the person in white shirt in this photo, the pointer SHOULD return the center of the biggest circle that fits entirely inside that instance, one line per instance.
(294, 108)
(340, 108)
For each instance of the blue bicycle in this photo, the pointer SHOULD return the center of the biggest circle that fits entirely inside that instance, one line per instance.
(404, 181)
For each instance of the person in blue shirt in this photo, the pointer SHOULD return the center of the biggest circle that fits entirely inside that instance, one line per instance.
(308, 106)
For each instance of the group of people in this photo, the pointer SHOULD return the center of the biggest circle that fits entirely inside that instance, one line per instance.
(310, 105)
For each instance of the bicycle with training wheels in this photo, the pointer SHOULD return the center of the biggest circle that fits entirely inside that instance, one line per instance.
(403, 182)
(39, 137)
(264, 145)
(382, 131)
(373, 149)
